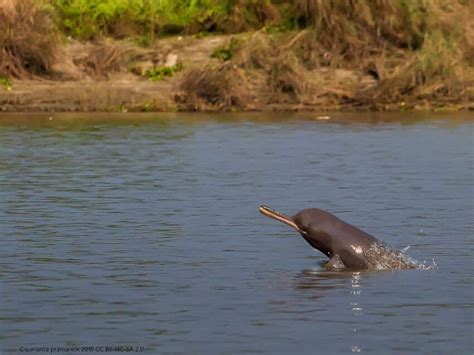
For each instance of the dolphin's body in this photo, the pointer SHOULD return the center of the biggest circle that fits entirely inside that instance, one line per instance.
(345, 245)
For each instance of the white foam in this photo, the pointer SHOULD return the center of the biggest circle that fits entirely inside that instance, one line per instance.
(380, 257)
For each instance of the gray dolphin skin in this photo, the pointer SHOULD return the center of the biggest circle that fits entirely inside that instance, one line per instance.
(341, 242)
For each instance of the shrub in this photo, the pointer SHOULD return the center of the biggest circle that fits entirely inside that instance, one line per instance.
(160, 72)
(28, 40)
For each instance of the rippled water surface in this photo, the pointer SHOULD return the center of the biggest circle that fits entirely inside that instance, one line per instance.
(144, 231)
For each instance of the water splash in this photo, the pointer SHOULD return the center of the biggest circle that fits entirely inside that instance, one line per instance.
(425, 266)
(421, 232)
(381, 257)
(404, 250)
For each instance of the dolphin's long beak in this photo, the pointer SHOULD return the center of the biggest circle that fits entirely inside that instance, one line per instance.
(270, 212)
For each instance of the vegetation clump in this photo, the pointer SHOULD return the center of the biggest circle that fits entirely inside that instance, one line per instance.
(215, 88)
(87, 19)
(226, 52)
(160, 72)
(28, 39)
(6, 82)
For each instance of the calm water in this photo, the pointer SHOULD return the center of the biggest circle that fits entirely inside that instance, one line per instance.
(144, 231)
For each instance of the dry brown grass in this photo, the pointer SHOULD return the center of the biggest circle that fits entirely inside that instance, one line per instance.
(247, 15)
(104, 58)
(258, 69)
(398, 54)
(262, 71)
(215, 88)
(287, 81)
(254, 52)
(348, 26)
(436, 74)
(28, 42)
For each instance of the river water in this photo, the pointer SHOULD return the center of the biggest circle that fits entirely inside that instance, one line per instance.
(144, 231)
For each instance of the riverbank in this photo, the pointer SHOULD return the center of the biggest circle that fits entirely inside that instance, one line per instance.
(110, 75)
(383, 66)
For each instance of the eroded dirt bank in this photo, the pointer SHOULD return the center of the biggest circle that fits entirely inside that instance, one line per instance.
(115, 76)
(109, 76)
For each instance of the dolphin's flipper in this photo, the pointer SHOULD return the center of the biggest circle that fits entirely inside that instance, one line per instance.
(335, 263)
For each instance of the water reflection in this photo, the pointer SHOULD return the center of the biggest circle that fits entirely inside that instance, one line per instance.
(95, 121)
(321, 280)
(320, 283)
(356, 290)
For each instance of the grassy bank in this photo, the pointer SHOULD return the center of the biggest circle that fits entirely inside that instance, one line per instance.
(281, 54)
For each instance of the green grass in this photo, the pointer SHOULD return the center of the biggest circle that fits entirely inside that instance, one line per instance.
(160, 72)
(86, 19)
(226, 52)
(6, 82)
(222, 53)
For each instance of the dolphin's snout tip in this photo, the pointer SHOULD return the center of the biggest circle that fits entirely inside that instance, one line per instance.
(267, 211)
(272, 213)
